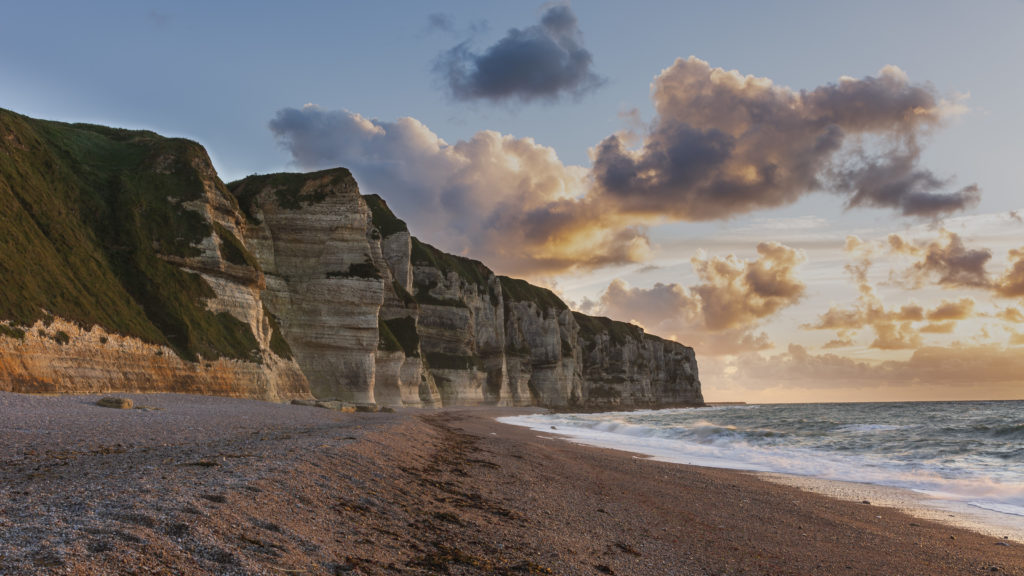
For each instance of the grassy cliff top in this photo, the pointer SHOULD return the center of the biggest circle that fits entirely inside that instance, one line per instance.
(292, 190)
(618, 332)
(384, 219)
(515, 290)
(87, 215)
(472, 271)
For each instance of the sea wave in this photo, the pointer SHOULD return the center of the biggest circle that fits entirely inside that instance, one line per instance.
(901, 447)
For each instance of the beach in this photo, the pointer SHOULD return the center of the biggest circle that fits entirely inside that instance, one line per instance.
(205, 485)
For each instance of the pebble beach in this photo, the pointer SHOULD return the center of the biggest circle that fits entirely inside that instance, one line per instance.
(182, 484)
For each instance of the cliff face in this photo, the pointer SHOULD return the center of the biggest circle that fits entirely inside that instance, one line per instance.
(375, 315)
(123, 269)
(127, 265)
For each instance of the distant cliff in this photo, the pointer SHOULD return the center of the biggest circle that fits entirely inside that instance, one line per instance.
(126, 264)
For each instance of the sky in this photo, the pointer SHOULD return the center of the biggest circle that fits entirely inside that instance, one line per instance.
(824, 199)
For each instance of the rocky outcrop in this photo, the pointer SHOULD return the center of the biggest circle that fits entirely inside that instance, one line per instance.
(310, 234)
(61, 357)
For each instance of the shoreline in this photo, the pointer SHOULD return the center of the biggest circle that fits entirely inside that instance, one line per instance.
(948, 508)
(214, 485)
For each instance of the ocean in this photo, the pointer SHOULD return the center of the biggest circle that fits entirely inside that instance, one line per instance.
(963, 458)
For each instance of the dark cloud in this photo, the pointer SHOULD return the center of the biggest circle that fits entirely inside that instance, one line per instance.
(946, 261)
(543, 61)
(725, 144)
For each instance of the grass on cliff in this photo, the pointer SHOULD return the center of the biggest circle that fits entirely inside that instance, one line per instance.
(291, 190)
(618, 332)
(385, 339)
(86, 213)
(515, 290)
(472, 271)
(384, 219)
(403, 330)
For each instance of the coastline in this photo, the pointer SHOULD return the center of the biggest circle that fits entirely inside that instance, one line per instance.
(213, 485)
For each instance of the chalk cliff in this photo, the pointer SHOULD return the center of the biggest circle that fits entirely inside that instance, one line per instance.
(126, 264)
(122, 268)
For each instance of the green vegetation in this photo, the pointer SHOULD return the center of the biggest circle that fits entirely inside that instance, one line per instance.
(618, 332)
(61, 337)
(566, 348)
(404, 330)
(402, 293)
(385, 339)
(291, 190)
(423, 296)
(439, 361)
(278, 345)
(12, 332)
(232, 249)
(89, 217)
(384, 219)
(515, 290)
(471, 271)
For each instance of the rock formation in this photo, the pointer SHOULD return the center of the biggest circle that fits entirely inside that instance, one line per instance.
(128, 265)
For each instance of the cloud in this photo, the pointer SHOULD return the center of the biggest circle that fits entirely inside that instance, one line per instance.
(721, 312)
(541, 62)
(441, 22)
(737, 293)
(722, 144)
(507, 201)
(725, 144)
(1010, 314)
(1011, 284)
(963, 366)
(894, 327)
(947, 310)
(938, 328)
(946, 261)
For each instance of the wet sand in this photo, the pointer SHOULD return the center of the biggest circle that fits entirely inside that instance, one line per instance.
(219, 486)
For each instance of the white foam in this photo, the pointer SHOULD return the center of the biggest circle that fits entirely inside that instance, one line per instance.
(712, 445)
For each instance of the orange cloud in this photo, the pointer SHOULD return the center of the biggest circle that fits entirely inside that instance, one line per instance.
(958, 310)
(960, 366)
(894, 328)
(720, 313)
(1011, 284)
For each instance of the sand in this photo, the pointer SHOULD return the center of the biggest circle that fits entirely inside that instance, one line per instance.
(202, 485)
